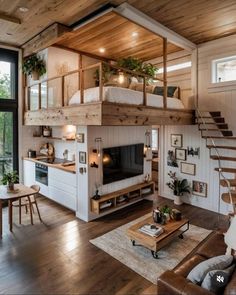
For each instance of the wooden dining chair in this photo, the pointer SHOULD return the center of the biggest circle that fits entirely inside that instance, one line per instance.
(28, 202)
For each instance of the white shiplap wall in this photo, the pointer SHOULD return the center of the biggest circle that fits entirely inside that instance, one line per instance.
(219, 99)
(111, 136)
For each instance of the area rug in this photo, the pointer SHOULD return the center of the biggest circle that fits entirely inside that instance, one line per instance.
(140, 259)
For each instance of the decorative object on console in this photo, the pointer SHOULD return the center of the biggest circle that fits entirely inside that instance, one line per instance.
(176, 140)
(193, 151)
(82, 157)
(96, 196)
(188, 168)
(199, 188)
(94, 165)
(180, 154)
(178, 186)
(34, 66)
(147, 178)
(171, 160)
(9, 179)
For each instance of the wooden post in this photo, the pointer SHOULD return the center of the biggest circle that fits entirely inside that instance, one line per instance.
(81, 80)
(28, 98)
(100, 83)
(165, 72)
(144, 92)
(62, 91)
(39, 97)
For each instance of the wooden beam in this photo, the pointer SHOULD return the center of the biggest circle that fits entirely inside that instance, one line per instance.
(138, 17)
(165, 72)
(46, 38)
(10, 18)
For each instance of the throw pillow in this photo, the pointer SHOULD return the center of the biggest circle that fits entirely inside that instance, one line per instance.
(198, 273)
(230, 236)
(159, 90)
(214, 286)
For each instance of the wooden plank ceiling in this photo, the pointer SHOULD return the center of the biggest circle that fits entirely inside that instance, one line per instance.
(118, 37)
(197, 20)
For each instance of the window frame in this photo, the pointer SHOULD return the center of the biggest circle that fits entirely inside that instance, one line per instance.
(214, 73)
(11, 105)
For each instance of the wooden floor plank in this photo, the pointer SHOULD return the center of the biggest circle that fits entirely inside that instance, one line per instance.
(56, 257)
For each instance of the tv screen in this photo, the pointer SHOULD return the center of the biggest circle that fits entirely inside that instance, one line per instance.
(122, 162)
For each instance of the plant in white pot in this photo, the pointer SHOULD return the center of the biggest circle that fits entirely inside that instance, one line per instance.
(178, 186)
(9, 179)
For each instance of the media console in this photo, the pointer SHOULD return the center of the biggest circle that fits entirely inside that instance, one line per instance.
(122, 198)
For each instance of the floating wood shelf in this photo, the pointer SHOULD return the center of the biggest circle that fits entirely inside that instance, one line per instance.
(55, 138)
(131, 194)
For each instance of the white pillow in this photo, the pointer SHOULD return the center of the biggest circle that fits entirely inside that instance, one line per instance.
(230, 236)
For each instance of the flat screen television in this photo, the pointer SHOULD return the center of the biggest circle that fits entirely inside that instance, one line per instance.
(122, 162)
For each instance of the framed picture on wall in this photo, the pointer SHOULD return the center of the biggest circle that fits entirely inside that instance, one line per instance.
(188, 168)
(180, 154)
(199, 188)
(80, 137)
(82, 157)
(176, 140)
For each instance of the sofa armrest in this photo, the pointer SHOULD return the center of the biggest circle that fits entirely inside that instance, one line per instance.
(172, 284)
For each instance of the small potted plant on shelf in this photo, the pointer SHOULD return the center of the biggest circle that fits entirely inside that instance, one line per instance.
(178, 186)
(34, 66)
(9, 179)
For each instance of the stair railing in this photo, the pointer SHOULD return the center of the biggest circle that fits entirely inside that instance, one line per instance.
(199, 115)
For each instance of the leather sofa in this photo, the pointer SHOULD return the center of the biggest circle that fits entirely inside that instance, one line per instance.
(174, 282)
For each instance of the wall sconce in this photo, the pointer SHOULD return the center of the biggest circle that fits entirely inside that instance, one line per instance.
(97, 151)
(147, 146)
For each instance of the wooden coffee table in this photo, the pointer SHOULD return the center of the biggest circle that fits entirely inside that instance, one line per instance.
(172, 230)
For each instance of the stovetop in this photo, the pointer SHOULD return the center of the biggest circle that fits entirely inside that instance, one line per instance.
(54, 161)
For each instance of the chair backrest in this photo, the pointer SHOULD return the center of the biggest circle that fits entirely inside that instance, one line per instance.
(36, 188)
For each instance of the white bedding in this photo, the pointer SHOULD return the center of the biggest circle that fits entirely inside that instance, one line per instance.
(125, 95)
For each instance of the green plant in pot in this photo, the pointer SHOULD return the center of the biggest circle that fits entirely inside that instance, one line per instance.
(9, 179)
(166, 210)
(178, 186)
(107, 72)
(34, 66)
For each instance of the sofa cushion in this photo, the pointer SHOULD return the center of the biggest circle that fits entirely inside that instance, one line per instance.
(212, 285)
(209, 249)
(198, 273)
(230, 236)
(185, 267)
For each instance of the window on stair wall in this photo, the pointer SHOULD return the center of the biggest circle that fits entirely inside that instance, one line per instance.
(224, 69)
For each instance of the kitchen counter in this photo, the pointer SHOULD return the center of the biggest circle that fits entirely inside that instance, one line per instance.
(70, 169)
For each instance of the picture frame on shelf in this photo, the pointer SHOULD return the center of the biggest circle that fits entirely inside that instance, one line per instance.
(199, 188)
(82, 157)
(80, 137)
(180, 154)
(188, 168)
(176, 140)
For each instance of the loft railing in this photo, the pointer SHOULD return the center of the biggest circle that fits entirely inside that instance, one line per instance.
(41, 87)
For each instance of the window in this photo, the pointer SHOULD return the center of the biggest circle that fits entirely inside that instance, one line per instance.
(176, 67)
(8, 111)
(224, 69)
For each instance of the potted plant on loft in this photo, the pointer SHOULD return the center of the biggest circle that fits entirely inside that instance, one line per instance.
(9, 179)
(34, 66)
(178, 186)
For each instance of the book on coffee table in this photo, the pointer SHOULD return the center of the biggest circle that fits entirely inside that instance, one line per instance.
(151, 230)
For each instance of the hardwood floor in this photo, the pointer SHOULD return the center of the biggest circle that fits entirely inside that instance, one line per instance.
(56, 257)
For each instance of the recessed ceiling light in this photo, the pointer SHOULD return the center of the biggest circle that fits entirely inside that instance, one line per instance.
(134, 34)
(102, 50)
(23, 9)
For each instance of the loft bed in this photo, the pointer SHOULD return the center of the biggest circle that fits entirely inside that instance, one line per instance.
(104, 104)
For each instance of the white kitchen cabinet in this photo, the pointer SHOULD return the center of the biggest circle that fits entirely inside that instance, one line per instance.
(28, 172)
(62, 187)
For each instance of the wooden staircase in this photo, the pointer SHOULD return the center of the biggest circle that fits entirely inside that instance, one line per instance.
(214, 128)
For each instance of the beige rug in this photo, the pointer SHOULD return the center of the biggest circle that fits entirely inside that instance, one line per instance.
(139, 259)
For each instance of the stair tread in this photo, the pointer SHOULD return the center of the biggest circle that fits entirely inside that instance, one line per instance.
(232, 182)
(217, 129)
(223, 158)
(229, 170)
(212, 123)
(219, 137)
(222, 147)
(226, 198)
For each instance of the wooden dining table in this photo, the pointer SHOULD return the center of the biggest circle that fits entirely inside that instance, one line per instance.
(20, 191)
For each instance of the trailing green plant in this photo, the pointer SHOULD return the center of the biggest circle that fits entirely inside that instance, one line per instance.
(10, 177)
(107, 72)
(34, 63)
(130, 63)
(178, 186)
